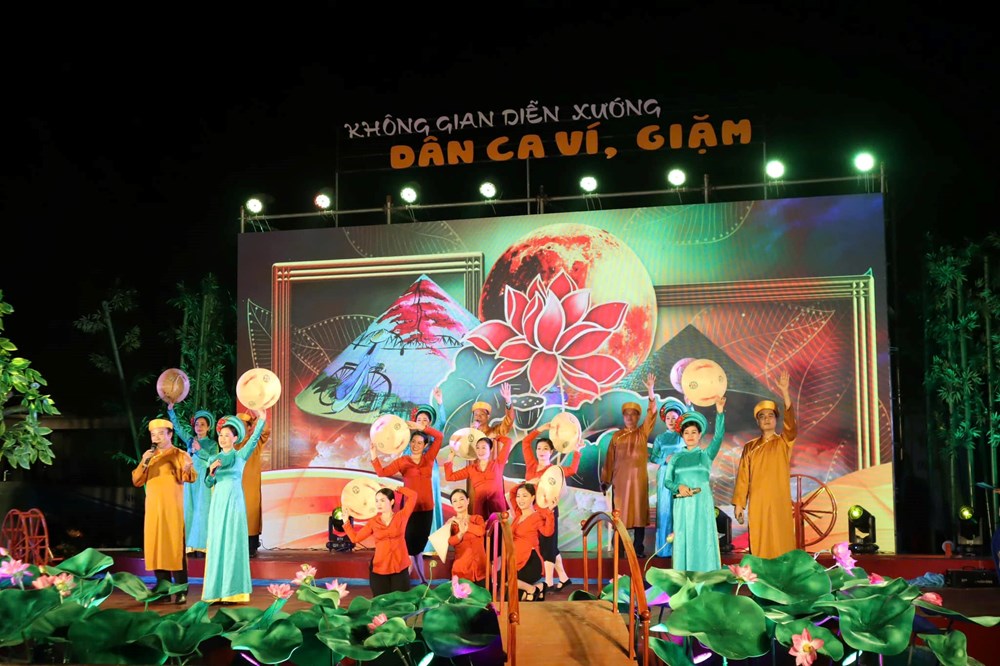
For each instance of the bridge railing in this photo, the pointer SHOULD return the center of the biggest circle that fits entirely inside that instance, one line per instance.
(501, 579)
(638, 610)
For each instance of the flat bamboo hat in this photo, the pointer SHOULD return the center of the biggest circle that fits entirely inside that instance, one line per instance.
(173, 385)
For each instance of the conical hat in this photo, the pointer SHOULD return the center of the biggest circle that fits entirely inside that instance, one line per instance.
(173, 385)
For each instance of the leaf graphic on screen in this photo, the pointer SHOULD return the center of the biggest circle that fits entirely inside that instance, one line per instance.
(695, 224)
(315, 345)
(387, 241)
(801, 329)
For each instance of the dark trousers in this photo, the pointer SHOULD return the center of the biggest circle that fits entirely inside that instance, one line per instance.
(385, 583)
(179, 577)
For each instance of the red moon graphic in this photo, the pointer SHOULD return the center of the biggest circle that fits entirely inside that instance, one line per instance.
(594, 259)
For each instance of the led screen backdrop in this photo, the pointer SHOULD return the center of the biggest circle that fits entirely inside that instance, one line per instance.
(575, 310)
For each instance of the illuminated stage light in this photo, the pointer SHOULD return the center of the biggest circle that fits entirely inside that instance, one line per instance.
(864, 162)
(676, 177)
(323, 201)
(861, 530)
(337, 537)
(408, 194)
(254, 206)
(488, 190)
(774, 169)
(970, 537)
(588, 184)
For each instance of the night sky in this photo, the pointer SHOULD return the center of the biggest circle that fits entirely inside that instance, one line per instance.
(129, 152)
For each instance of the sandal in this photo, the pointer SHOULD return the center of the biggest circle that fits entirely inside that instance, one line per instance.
(539, 594)
(560, 585)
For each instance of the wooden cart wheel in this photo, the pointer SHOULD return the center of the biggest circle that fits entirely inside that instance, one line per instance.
(814, 510)
(26, 536)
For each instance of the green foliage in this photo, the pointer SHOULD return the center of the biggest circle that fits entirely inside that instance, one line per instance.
(67, 620)
(962, 338)
(23, 440)
(207, 324)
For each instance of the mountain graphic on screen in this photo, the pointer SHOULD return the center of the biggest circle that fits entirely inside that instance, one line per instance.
(396, 362)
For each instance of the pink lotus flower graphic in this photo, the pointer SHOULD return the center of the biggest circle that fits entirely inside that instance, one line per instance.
(551, 333)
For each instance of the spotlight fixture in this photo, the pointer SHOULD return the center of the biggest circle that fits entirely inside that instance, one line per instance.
(724, 527)
(676, 177)
(774, 169)
(861, 530)
(864, 162)
(588, 184)
(970, 536)
(323, 201)
(488, 190)
(337, 537)
(254, 206)
(408, 194)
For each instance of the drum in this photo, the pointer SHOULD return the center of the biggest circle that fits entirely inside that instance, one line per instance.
(390, 434)
(258, 388)
(357, 499)
(463, 441)
(565, 432)
(173, 385)
(550, 487)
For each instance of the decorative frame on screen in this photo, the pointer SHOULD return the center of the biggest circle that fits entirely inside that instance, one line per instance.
(285, 275)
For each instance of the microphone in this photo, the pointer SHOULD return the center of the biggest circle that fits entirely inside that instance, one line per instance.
(694, 491)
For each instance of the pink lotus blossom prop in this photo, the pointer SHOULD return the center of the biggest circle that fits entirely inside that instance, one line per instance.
(743, 573)
(805, 648)
(842, 554)
(551, 332)
(377, 622)
(460, 590)
(282, 591)
(931, 598)
(340, 588)
(305, 576)
(875, 579)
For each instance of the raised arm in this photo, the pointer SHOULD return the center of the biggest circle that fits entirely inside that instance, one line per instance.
(251, 444)
(650, 422)
(391, 469)
(180, 429)
(410, 502)
(789, 427)
(528, 450)
(437, 439)
(720, 429)
(450, 474)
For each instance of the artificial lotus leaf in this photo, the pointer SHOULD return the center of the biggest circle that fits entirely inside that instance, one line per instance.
(133, 586)
(478, 596)
(85, 564)
(730, 625)
(671, 653)
(345, 638)
(318, 596)
(178, 640)
(268, 617)
(309, 618)
(20, 608)
(313, 652)
(392, 633)
(843, 580)
(950, 648)
(234, 618)
(273, 645)
(359, 606)
(111, 637)
(52, 625)
(395, 603)
(832, 647)
(453, 630)
(934, 609)
(789, 578)
(669, 580)
(196, 612)
(580, 595)
(684, 595)
(881, 623)
(93, 592)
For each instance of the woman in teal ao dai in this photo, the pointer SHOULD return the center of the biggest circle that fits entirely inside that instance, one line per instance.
(197, 496)
(665, 445)
(696, 541)
(227, 562)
